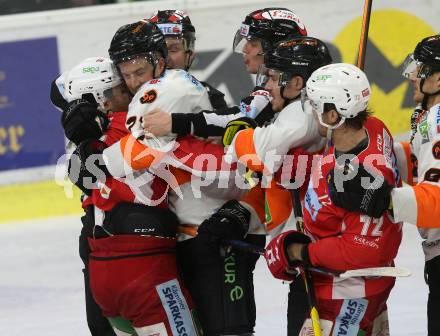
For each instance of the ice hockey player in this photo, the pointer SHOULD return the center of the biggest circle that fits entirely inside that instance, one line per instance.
(220, 313)
(95, 103)
(288, 66)
(265, 27)
(342, 239)
(418, 202)
(180, 37)
(422, 199)
(134, 243)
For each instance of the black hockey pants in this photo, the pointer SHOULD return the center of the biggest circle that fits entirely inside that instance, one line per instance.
(222, 287)
(433, 279)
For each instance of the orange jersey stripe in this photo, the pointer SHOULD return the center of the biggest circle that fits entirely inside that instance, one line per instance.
(255, 198)
(246, 152)
(428, 205)
(138, 155)
(279, 205)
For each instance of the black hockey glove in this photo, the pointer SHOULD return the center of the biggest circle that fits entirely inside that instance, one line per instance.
(364, 192)
(231, 221)
(86, 165)
(82, 120)
(235, 126)
(256, 102)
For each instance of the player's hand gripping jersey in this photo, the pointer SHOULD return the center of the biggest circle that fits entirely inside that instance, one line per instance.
(344, 240)
(420, 204)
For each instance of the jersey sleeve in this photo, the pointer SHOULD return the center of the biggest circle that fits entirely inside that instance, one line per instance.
(206, 123)
(364, 242)
(405, 161)
(420, 204)
(264, 148)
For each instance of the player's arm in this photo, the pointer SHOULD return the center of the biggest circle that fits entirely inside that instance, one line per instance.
(210, 123)
(406, 162)
(262, 149)
(420, 204)
(365, 242)
(205, 123)
(80, 119)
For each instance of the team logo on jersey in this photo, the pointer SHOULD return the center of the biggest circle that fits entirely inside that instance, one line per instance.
(424, 131)
(148, 97)
(312, 203)
(436, 150)
(437, 120)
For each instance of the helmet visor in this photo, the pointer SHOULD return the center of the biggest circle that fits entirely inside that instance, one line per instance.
(243, 37)
(410, 66)
(240, 38)
(280, 77)
(262, 76)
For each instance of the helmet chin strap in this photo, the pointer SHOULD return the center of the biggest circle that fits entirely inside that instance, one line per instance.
(426, 95)
(287, 101)
(189, 61)
(330, 128)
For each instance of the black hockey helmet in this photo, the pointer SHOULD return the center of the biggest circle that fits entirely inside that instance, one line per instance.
(270, 25)
(139, 39)
(296, 57)
(175, 23)
(427, 54)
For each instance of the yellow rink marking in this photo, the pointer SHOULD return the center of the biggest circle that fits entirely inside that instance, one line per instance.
(38, 200)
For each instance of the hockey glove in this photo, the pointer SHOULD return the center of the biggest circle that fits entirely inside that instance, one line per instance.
(86, 165)
(235, 126)
(277, 256)
(254, 104)
(364, 192)
(82, 120)
(231, 221)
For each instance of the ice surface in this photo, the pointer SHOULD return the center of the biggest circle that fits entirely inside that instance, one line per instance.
(41, 284)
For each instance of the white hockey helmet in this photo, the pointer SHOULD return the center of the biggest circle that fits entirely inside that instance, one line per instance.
(94, 75)
(341, 84)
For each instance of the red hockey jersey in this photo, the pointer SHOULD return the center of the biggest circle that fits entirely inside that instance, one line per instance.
(345, 240)
(116, 190)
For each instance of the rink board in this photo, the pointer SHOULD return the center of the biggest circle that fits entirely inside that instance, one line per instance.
(395, 28)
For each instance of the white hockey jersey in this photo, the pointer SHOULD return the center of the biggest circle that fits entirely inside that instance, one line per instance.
(175, 92)
(294, 126)
(420, 204)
